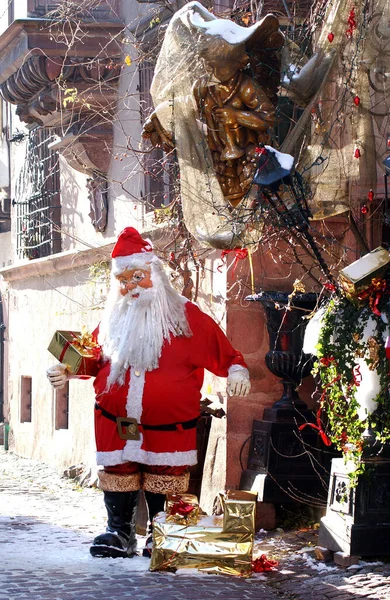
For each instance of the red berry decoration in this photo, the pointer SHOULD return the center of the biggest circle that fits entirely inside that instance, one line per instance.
(357, 153)
(356, 100)
(364, 209)
(330, 37)
(351, 19)
(352, 24)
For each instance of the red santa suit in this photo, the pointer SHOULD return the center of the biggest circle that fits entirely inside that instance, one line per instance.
(147, 416)
(167, 395)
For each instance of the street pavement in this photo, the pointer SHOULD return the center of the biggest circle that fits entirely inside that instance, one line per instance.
(47, 524)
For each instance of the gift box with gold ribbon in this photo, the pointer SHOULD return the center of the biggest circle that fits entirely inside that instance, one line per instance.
(182, 509)
(239, 511)
(204, 546)
(363, 278)
(77, 351)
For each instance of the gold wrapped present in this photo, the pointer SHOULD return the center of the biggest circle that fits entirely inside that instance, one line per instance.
(204, 546)
(239, 511)
(360, 276)
(182, 509)
(77, 351)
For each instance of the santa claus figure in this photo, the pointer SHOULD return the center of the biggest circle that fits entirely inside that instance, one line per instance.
(155, 345)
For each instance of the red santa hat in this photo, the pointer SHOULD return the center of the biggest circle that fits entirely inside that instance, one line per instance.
(131, 251)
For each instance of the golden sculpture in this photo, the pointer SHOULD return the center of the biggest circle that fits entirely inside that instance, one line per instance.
(235, 96)
(238, 115)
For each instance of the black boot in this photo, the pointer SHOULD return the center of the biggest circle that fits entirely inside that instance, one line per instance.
(155, 504)
(119, 539)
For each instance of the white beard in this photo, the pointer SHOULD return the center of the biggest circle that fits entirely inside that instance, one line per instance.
(133, 330)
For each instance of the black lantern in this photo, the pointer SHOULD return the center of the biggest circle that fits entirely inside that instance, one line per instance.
(281, 188)
(283, 192)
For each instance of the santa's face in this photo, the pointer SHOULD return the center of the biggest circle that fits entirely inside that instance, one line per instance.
(142, 313)
(133, 281)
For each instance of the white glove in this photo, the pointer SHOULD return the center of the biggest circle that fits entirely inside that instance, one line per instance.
(238, 383)
(58, 376)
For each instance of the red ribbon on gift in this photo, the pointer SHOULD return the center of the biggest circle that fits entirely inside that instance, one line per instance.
(67, 345)
(377, 288)
(318, 427)
(239, 254)
(261, 564)
(181, 508)
(94, 350)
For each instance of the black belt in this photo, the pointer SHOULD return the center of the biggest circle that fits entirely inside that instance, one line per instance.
(129, 429)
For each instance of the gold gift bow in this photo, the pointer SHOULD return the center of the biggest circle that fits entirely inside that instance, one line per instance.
(85, 342)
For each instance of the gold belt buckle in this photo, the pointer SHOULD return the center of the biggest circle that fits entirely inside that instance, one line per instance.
(127, 428)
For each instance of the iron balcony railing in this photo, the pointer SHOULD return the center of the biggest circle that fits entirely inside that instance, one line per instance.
(37, 199)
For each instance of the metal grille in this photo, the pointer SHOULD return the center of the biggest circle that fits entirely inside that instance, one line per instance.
(37, 199)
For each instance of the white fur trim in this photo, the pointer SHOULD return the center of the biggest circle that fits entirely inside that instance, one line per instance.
(134, 410)
(133, 261)
(170, 459)
(236, 368)
(107, 459)
(135, 393)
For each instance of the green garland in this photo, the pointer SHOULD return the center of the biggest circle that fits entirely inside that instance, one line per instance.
(340, 344)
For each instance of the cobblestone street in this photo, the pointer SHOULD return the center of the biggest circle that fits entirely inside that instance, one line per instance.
(47, 524)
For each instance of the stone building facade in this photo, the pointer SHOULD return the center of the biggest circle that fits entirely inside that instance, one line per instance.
(71, 178)
(69, 185)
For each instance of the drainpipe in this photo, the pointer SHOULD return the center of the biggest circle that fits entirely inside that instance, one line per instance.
(2, 328)
(6, 436)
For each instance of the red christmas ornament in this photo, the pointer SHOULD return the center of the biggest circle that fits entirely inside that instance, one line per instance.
(357, 153)
(356, 100)
(370, 196)
(364, 209)
(182, 508)
(330, 37)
